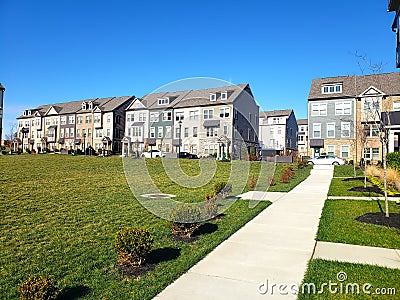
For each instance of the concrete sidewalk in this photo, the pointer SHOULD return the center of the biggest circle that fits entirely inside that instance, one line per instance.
(383, 257)
(274, 247)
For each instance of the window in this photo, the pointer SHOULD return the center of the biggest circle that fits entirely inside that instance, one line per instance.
(88, 119)
(300, 138)
(98, 133)
(317, 130)
(108, 119)
(63, 120)
(108, 132)
(97, 118)
(332, 88)
(84, 106)
(163, 101)
(67, 132)
(371, 153)
(71, 133)
(167, 116)
(89, 133)
(78, 133)
(168, 132)
(343, 108)
(129, 118)
(224, 96)
(396, 106)
(279, 130)
(330, 150)
(213, 97)
(154, 117)
(371, 106)
(345, 129)
(55, 121)
(194, 131)
(330, 130)
(90, 105)
(302, 129)
(142, 117)
(61, 132)
(152, 132)
(208, 113)
(271, 130)
(137, 131)
(179, 116)
(186, 132)
(225, 129)
(160, 132)
(235, 114)
(318, 109)
(371, 130)
(71, 119)
(224, 112)
(80, 120)
(345, 151)
(177, 132)
(212, 131)
(194, 115)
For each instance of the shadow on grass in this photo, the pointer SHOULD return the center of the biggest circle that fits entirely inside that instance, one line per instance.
(71, 293)
(206, 228)
(163, 254)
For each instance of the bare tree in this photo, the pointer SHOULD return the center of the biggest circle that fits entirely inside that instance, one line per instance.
(12, 127)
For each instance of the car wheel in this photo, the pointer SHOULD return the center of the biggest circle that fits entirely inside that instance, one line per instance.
(335, 163)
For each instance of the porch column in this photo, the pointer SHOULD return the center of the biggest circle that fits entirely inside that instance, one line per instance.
(391, 141)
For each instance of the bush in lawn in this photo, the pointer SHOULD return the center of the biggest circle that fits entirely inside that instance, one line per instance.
(271, 180)
(38, 288)
(132, 245)
(287, 174)
(301, 164)
(393, 160)
(222, 188)
(185, 219)
(210, 206)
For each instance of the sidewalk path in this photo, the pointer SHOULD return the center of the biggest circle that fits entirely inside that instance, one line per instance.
(383, 257)
(275, 246)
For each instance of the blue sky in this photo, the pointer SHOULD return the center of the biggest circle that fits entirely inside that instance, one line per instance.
(64, 50)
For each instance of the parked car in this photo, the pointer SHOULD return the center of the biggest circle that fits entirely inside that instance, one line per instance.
(187, 155)
(326, 160)
(153, 153)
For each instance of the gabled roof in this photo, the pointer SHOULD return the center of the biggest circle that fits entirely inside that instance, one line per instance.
(276, 113)
(192, 98)
(104, 104)
(352, 86)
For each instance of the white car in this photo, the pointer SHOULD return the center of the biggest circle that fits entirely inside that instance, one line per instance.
(153, 153)
(326, 160)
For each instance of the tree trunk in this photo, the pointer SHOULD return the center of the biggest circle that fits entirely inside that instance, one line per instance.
(385, 181)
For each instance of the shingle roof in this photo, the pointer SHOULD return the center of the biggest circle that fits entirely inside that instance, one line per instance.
(302, 122)
(190, 98)
(105, 105)
(352, 86)
(276, 113)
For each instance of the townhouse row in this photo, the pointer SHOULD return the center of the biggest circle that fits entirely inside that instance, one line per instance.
(220, 121)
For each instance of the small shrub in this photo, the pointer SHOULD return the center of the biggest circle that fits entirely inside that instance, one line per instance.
(252, 182)
(28, 151)
(132, 245)
(222, 188)
(253, 158)
(185, 219)
(301, 164)
(393, 160)
(287, 174)
(38, 288)
(271, 180)
(210, 207)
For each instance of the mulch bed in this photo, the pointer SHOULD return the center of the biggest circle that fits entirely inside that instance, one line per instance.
(379, 218)
(135, 271)
(184, 238)
(368, 189)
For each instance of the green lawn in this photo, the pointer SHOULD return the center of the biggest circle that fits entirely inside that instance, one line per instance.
(347, 171)
(60, 215)
(343, 186)
(381, 281)
(337, 224)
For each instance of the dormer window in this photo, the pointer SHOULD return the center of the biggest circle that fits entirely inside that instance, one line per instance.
(333, 88)
(24, 113)
(164, 101)
(213, 97)
(29, 112)
(90, 105)
(224, 96)
(84, 106)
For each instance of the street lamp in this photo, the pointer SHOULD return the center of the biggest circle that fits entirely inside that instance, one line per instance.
(2, 90)
(180, 135)
(84, 143)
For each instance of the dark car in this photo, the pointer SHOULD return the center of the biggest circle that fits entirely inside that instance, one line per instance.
(187, 155)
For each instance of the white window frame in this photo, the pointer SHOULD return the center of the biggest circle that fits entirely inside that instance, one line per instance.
(342, 130)
(206, 114)
(168, 132)
(167, 116)
(163, 101)
(396, 106)
(194, 115)
(320, 130)
(319, 109)
(160, 132)
(341, 151)
(224, 95)
(327, 130)
(152, 132)
(213, 97)
(333, 147)
(179, 116)
(154, 116)
(343, 108)
(195, 132)
(332, 88)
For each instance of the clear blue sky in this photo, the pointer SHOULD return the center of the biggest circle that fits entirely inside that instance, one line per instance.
(63, 50)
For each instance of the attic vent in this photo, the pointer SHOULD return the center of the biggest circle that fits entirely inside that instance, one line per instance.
(224, 96)
(84, 106)
(213, 97)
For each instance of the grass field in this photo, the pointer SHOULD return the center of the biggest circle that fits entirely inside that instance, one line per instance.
(61, 213)
(337, 224)
(373, 282)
